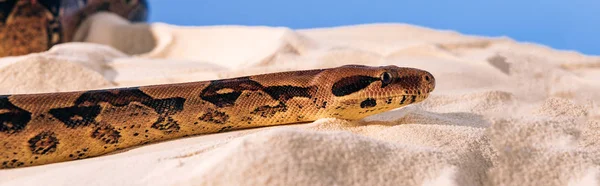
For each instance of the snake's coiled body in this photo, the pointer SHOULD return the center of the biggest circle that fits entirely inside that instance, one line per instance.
(29, 26)
(54, 127)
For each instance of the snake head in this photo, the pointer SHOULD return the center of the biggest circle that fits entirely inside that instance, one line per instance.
(405, 81)
(360, 91)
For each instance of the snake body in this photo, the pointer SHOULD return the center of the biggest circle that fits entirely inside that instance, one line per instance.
(46, 128)
(29, 26)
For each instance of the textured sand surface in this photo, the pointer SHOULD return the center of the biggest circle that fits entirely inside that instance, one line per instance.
(503, 113)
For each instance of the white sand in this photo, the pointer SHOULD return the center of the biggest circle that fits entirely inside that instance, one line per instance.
(503, 113)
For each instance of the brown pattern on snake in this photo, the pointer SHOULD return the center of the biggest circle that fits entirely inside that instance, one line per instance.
(235, 87)
(107, 134)
(269, 111)
(351, 84)
(87, 107)
(43, 143)
(54, 127)
(368, 103)
(12, 163)
(76, 116)
(12, 118)
(214, 116)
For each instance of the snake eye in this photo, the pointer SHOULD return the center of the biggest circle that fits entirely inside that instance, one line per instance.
(386, 78)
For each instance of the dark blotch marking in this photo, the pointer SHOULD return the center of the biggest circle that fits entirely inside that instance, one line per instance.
(115, 97)
(224, 129)
(167, 125)
(287, 92)
(352, 84)
(12, 163)
(237, 85)
(403, 100)
(107, 134)
(43, 143)
(12, 118)
(413, 99)
(76, 116)
(165, 108)
(388, 101)
(368, 103)
(324, 105)
(267, 111)
(214, 116)
(247, 119)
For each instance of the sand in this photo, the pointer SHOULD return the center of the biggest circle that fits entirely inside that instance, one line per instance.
(503, 112)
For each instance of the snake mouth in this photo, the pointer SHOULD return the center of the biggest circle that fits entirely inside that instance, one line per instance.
(406, 99)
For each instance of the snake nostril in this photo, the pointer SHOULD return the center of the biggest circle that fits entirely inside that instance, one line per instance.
(430, 81)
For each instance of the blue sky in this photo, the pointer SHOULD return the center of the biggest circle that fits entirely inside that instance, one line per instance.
(566, 24)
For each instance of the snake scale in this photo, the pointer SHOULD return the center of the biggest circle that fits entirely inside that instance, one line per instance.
(37, 129)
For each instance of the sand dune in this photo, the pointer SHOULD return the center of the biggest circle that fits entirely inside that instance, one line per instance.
(503, 112)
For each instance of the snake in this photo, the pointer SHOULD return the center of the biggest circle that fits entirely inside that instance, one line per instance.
(32, 26)
(44, 128)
